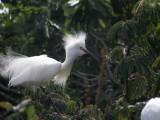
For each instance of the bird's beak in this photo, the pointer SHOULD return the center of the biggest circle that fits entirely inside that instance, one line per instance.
(89, 53)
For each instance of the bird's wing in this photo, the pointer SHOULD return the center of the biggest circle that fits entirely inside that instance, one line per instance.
(29, 70)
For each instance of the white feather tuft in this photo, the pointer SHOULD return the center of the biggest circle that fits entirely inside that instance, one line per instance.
(62, 76)
(151, 111)
(74, 40)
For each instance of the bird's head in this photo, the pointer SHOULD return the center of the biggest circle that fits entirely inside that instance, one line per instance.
(75, 45)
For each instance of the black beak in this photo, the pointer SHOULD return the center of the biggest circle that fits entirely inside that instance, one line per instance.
(89, 53)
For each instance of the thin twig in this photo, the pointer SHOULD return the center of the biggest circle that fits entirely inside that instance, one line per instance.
(8, 90)
(7, 98)
(88, 86)
(5, 114)
(82, 76)
(86, 74)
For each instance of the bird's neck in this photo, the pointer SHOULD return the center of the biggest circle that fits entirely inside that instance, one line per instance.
(68, 63)
(61, 77)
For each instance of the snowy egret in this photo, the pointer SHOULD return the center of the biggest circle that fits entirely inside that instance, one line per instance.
(151, 111)
(38, 70)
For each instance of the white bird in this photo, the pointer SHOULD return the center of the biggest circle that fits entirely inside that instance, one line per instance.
(151, 111)
(39, 70)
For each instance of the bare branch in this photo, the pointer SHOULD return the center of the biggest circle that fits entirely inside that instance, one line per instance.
(102, 73)
(22, 105)
(85, 75)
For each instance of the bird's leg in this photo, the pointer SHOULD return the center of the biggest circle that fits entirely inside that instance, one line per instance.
(49, 86)
(35, 96)
(35, 99)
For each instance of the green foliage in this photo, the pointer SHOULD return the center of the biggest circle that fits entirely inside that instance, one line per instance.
(90, 112)
(136, 50)
(123, 32)
(156, 63)
(80, 14)
(135, 70)
(112, 33)
(130, 65)
(116, 54)
(1, 7)
(71, 107)
(31, 115)
(137, 86)
(136, 30)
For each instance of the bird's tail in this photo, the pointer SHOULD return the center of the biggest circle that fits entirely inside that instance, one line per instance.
(6, 59)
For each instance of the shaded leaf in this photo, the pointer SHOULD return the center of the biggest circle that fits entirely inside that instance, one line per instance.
(31, 113)
(132, 64)
(116, 54)
(6, 105)
(137, 86)
(123, 32)
(156, 63)
(1, 6)
(7, 5)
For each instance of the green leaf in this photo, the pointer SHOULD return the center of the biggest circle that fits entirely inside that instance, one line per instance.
(31, 113)
(148, 17)
(16, 19)
(102, 23)
(156, 63)
(6, 105)
(136, 50)
(1, 6)
(132, 64)
(90, 113)
(46, 31)
(71, 107)
(116, 54)
(7, 5)
(123, 32)
(112, 33)
(137, 86)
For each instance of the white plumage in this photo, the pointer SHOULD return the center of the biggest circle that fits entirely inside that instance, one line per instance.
(151, 111)
(38, 70)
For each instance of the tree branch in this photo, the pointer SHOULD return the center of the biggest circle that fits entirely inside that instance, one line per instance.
(102, 72)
